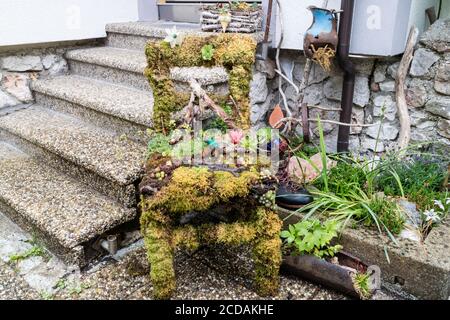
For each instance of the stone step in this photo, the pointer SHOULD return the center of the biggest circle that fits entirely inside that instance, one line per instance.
(135, 35)
(126, 67)
(63, 213)
(100, 158)
(114, 65)
(124, 110)
(213, 80)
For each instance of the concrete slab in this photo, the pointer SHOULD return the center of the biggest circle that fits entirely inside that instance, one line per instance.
(422, 270)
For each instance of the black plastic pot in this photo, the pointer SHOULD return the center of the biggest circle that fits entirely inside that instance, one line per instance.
(335, 276)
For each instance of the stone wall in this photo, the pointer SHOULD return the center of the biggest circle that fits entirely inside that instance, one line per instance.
(19, 66)
(18, 69)
(428, 90)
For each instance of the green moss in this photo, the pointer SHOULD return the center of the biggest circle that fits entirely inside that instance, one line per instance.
(240, 79)
(166, 99)
(199, 190)
(234, 52)
(160, 254)
(234, 49)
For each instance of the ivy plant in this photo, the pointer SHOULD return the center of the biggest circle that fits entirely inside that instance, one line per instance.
(312, 237)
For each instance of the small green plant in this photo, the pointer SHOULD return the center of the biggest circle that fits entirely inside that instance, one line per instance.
(361, 285)
(268, 199)
(218, 123)
(346, 193)
(77, 290)
(61, 284)
(207, 52)
(343, 178)
(224, 9)
(323, 155)
(420, 180)
(46, 295)
(388, 213)
(188, 148)
(159, 143)
(312, 237)
(34, 251)
(357, 206)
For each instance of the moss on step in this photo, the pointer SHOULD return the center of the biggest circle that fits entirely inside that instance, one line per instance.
(235, 52)
(201, 190)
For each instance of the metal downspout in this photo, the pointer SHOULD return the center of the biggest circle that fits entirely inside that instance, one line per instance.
(345, 31)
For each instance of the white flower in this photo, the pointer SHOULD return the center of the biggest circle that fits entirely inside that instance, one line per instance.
(439, 204)
(174, 38)
(431, 215)
(448, 201)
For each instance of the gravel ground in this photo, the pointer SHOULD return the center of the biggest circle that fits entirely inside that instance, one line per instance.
(215, 273)
(127, 279)
(13, 287)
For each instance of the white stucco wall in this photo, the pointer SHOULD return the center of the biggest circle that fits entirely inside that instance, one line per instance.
(380, 27)
(37, 21)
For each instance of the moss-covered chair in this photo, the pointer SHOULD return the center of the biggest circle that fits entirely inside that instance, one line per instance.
(195, 195)
(189, 207)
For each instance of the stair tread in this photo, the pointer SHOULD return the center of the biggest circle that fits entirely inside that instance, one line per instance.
(123, 59)
(204, 75)
(127, 103)
(155, 29)
(158, 29)
(110, 156)
(62, 207)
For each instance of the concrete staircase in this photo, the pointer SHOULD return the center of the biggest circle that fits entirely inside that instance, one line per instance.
(70, 163)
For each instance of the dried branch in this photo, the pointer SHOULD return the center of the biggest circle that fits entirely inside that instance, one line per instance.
(405, 121)
(190, 110)
(288, 80)
(205, 100)
(325, 108)
(291, 119)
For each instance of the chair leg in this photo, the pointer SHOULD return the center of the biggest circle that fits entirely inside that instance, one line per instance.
(267, 260)
(161, 255)
(267, 254)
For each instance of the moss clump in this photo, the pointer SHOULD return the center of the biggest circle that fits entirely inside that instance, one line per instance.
(166, 99)
(200, 190)
(234, 52)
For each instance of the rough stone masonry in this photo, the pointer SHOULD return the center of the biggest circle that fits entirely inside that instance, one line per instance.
(427, 91)
(19, 68)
